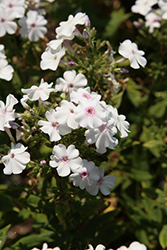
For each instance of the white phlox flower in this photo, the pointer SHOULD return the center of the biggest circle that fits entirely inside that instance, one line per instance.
(143, 6)
(65, 160)
(152, 21)
(89, 113)
(130, 51)
(134, 246)
(83, 94)
(104, 184)
(2, 52)
(42, 92)
(45, 247)
(71, 81)
(32, 26)
(85, 175)
(6, 70)
(67, 28)
(163, 7)
(98, 247)
(7, 113)
(103, 135)
(66, 115)
(7, 25)
(55, 44)
(52, 127)
(16, 159)
(119, 121)
(16, 6)
(51, 58)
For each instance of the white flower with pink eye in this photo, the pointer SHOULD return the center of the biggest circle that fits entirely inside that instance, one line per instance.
(85, 175)
(71, 81)
(143, 6)
(7, 113)
(104, 184)
(52, 127)
(130, 51)
(89, 113)
(103, 135)
(152, 21)
(83, 93)
(16, 6)
(66, 115)
(6, 70)
(32, 26)
(42, 92)
(16, 159)
(51, 58)
(7, 25)
(65, 160)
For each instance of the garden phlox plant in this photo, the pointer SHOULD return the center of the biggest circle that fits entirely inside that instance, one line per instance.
(76, 120)
(80, 108)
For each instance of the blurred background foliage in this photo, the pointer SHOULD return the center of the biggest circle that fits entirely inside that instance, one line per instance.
(37, 210)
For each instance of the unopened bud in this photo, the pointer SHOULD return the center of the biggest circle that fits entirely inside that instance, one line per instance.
(87, 23)
(71, 63)
(43, 163)
(85, 34)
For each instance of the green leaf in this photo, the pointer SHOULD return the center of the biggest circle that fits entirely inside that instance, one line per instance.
(33, 200)
(158, 110)
(30, 241)
(3, 235)
(163, 237)
(133, 93)
(117, 17)
(140, 175)
(117, 99)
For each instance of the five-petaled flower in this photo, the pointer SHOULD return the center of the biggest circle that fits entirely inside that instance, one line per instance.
(65, 160)
(16, 159)
(130, 51)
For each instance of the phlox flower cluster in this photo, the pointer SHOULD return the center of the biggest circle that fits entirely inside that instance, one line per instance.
(32, 26)
(66, 30)
(153, 14)
(133, 246)
(80, 108)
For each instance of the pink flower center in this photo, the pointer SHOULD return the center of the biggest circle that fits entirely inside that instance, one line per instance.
(100, 181)
(40, 88)
(90, 111)
(12, 156)
(72, 111)
(71, 85)
(87, 96)
(33, 25)
(2, 20)
(84, 174)
(55, 125)
(65, 159)
(4, 111)
(103, 128)
(10, 5)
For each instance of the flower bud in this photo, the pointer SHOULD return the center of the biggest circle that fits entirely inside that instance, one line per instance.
(85, 34)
